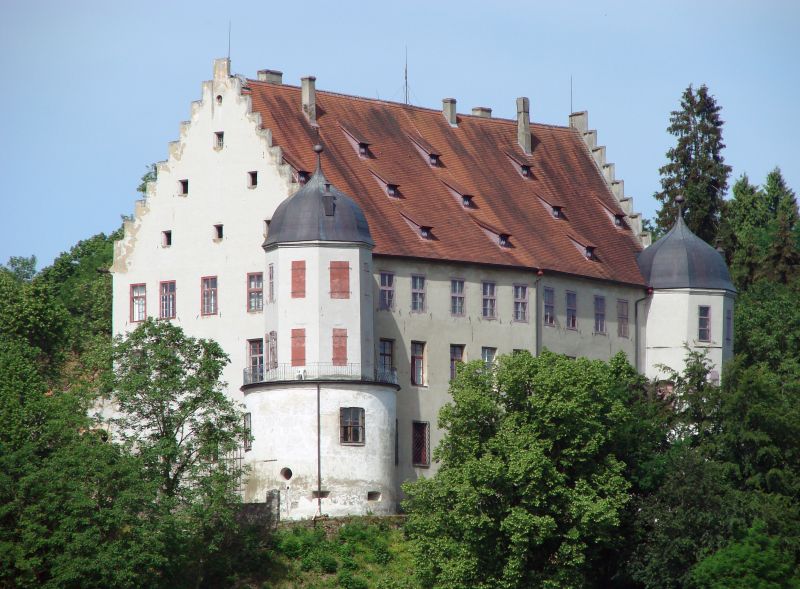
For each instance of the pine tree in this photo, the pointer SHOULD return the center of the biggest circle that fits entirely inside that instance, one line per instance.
(781, 199)
(696, 167)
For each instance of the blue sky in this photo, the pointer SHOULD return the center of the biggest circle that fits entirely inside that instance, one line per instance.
(93, 91)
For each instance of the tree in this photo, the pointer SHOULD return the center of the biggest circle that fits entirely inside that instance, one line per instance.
(149, 176)
(173, 414)
(529, 492)
(23, 269)
(756, 561)
(696, 168)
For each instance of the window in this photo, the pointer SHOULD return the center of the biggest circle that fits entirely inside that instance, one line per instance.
(599, 314)
(271, 276)
(340, 280)
(219, 140)
(339, 347)
(183, 187)
(272, 350)
(622, 318)
(704, 323)
(248, 432)
(520, 302)
(418, 363)
(138, 302)
(298, 279)
(167, 300)
(218, 234)
(166, 238)
(417, 293)
(549, 306)
(386, 354)
(572, 310)
(298, 347)
(728, 325)
(420, 444)
(457, 297)
(255, 359)
(488, 355)
(255, 291)
(252, 179)
(351, 425)
(489, 308)
(386, 301)
(208, 296)
(456, 358)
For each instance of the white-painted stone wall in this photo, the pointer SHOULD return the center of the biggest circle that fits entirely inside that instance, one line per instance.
(672, 324)
(284, 422)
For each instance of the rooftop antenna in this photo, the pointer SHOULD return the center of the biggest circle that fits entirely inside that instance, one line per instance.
(229, 40)
(570, 94)
(405, 85)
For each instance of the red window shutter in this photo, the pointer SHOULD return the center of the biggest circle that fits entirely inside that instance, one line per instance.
(339, 347)
(298, 347)
(340, 280)
(298, 279)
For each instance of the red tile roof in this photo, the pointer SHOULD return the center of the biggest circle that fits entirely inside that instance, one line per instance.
(480, 157)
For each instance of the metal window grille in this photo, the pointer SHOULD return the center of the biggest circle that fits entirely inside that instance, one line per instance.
(420, 444)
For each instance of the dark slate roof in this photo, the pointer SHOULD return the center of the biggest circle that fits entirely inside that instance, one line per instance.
(680, 259)
(302, 216)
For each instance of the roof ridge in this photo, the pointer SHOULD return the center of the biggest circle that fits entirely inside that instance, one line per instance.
(394, 103)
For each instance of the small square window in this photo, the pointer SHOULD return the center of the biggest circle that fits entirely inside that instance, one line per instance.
(218, 233)
(166, 238)
(488, 355)
(252, 179)
(219, 140)
(183, 187)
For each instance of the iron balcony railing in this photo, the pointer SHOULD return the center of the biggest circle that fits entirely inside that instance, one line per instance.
(317, 371)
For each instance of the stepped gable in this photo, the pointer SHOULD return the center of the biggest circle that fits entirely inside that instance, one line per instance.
(479, 155)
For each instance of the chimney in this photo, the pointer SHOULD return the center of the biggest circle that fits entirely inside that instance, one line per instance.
(310, 99)
(482, 111)
(449, 111)
(270, 76)
(524, 124)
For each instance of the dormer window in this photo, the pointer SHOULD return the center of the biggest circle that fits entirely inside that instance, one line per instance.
(302, 176)
(363, 149)
(460, 193)
(357, 140)
(466, 200)
(619, 220)
(525, 170)
(557, 213)
(391, 190)
(504, 240)
(425, 149)
(522, 163)
(425, 232)
(589, 252)
(434, 159)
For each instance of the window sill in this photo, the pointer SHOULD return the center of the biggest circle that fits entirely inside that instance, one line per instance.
(352, 443)
(254, 311)
(520, 321)
(599, 333)
(548, 325)
(415, 465)
(488, 318)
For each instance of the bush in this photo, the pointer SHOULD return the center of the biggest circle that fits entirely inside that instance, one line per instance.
(348, 581)
(328, 563)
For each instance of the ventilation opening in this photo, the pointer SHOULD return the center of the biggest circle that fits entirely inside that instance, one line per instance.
(286, 473)
(252, 179)
(183, 187)
(218, 231)
(373, 496)
(219, 98)
(320, 494)
(166, 238)
(219, 140)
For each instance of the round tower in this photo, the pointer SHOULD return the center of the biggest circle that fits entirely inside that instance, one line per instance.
(322, 417)
(692, 301)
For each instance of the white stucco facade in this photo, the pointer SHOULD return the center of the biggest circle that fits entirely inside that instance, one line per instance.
(214, 228)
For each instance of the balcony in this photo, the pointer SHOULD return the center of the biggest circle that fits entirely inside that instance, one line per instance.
(317, 371)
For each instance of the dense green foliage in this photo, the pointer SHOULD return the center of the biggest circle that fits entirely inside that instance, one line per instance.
(696, 168)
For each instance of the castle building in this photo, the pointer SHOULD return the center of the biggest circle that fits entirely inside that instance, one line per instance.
(347, 281)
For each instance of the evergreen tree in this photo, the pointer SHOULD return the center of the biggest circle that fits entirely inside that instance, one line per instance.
(782, 260)
(696, 167)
